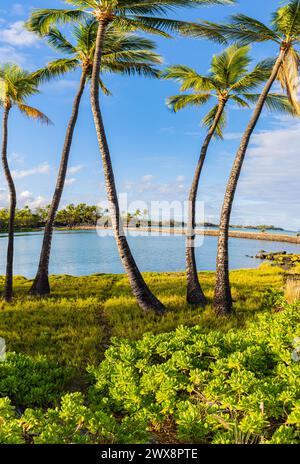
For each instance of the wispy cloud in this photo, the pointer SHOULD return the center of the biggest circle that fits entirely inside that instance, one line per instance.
(75, 169)
(269, 186)
(27, 198)
(9, 55)
(70, 181)
(44, 168)
(152, 189)
(16, 35)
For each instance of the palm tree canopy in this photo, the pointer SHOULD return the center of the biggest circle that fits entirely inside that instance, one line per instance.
(16, 85)
(146, 15)
(123, 53)
(229, 79)
(284, 29)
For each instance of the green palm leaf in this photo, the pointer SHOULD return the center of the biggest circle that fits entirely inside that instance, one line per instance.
(274, 102)
(188, 78)
(208, 121)
(16, 85)
(178, 102)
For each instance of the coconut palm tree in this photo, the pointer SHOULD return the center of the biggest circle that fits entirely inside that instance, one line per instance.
(123, 53)
(229, 80)
(130, 15)
(283, 30)
(16, 85)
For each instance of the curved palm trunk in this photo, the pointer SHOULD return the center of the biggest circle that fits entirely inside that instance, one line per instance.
(41, 284)
(146, 300)
(223, 298)
(195, 293)
(8, 289)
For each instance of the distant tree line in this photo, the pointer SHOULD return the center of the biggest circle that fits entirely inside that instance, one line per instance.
(70, 216)
(80, 215)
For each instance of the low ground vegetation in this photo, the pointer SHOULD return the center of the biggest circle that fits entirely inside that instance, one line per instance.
(188, 376)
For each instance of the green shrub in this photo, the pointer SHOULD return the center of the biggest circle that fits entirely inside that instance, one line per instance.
(72, 422)
(29, 382)
(239, 387)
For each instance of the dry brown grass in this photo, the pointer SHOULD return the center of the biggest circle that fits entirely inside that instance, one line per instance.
(292, 290)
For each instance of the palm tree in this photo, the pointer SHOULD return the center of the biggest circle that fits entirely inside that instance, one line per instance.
(16, 85)
(130, 15)
(284, 30)
(123, 53)
(229, 81)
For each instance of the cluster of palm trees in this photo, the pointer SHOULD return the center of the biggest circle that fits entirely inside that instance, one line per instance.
(104, 39)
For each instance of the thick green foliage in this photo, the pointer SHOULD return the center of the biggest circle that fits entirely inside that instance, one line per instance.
(242, 386)
(31, 382)
(72, 422)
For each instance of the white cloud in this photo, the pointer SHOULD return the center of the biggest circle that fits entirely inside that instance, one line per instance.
(233, 136)
(75, 169)
(16, 35)
(17, 158)
(269, 189)
(70, 181)
(25, 194)
(147, 178)
(26, 198)
(9, 55)
(153, 190)
(44, 168)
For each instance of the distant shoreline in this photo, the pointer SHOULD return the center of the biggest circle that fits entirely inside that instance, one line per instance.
(207, 232)
(263, 236)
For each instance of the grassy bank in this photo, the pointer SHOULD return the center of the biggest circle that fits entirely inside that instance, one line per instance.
(197, 378)
(72, 326)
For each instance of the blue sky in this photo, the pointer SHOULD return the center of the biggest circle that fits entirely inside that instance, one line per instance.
(154, 151)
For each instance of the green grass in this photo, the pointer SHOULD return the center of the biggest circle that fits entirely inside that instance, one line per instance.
(75, 324)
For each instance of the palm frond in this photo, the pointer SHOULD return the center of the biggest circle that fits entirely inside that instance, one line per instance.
(57, 40)
(241, 28)
(247, 30)
(286, 20)
(188, 78)
(179, 102)
(42, 20)
(56, 68)
(288, 77)
(239, 101)
(209, 119)
(274, 102)
(104, 88)
(127, 24)
(257, 76)
(206, 30)
(34, 113)
(230, 65)
(131, 68)
(139, 55)
(163, 6)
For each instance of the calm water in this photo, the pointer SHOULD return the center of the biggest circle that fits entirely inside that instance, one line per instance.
(84, 253)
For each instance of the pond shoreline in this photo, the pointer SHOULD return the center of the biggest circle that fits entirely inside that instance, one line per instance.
(260, 236)
(208, 232)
